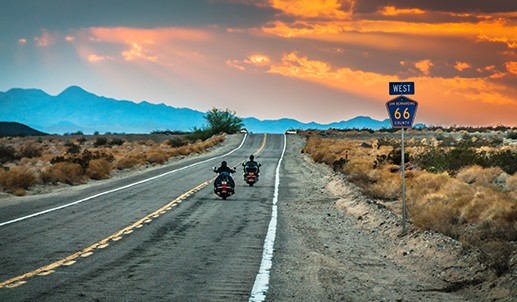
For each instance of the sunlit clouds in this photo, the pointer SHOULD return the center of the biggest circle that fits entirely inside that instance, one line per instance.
(332, 58)
(460, 66)
(393, 11)
(327, 9)
(512, 68)
(424, 66)
(257, 59)
(96, 58)
(435, 92)
(137, 52)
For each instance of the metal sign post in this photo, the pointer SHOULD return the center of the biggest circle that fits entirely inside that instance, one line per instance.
(402, 111)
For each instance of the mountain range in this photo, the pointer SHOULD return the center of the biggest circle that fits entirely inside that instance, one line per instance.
(75, 109)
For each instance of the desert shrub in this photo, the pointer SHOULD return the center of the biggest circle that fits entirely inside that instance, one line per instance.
(383, 141)
(436, 216)
(511, 186)
(385, 185)
(117, 141)
(127, 162)
(394, 157)
(358, 169)
(29, 150)
(461, 157)
(199, 134)
(72, 148)
(17, 180)
(478, 175)
(505, 159)
(439, 160)
(156, 157)
(84, 158)
(512, 135)
(7, 154)
(176, 142)
(100, 141)
(446, 141)
(63, 172)
(98, 169)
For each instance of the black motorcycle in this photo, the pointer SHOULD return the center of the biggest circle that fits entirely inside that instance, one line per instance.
(224, 185)
(251, 174)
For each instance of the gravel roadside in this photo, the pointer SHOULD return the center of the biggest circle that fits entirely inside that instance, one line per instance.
(334, 245)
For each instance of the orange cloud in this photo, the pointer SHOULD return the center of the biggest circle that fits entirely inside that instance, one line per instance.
(147, 45)
(328, 9)
(96, 58)
(393, 11)
(424, 66)
(259, 60)
(445, 99)
(22, 41)
(460, 66)
(69, 38)
(235, 64)
(137, 52)
(511, 67)
(495, 31)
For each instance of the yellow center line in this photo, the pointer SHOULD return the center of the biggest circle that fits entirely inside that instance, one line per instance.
(263, 144)
(100, 243)
(47, 269)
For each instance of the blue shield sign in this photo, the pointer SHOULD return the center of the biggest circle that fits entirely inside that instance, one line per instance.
(402, 111)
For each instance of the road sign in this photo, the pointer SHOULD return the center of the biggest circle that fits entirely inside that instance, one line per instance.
(399, 88)
(402, 111)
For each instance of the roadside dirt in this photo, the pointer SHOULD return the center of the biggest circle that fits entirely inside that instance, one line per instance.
(334, 244)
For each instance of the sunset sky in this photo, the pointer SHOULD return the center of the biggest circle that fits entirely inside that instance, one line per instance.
(312, 60)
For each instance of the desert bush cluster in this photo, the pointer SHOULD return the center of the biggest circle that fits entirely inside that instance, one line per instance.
(73, 161)
(464, 189)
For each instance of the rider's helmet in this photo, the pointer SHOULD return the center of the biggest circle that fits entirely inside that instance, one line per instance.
(224, 164)
(252, 157)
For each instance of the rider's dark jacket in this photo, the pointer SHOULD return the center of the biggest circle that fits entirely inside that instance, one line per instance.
(227, 170)
(252, 163)
(224, 169)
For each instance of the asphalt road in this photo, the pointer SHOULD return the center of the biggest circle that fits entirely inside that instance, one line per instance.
(146, 241)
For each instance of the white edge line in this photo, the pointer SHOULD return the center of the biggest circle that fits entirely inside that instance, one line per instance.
(121, 188)
(261, 286)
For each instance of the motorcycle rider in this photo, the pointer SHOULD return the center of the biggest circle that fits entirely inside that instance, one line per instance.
(252, 163)
(224, 170)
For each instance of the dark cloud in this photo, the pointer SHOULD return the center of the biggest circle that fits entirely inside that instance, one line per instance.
(30, 15)
(455, 6)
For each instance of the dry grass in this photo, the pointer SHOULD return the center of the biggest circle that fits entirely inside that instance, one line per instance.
(479, 176)
(99, 169)
(64, 172)
(75, 160)
(17, 180)
(478, 206)
(156, 157)
(127, 162)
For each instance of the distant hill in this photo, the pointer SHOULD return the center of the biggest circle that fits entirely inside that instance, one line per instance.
(17, 129)
(75, 109)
